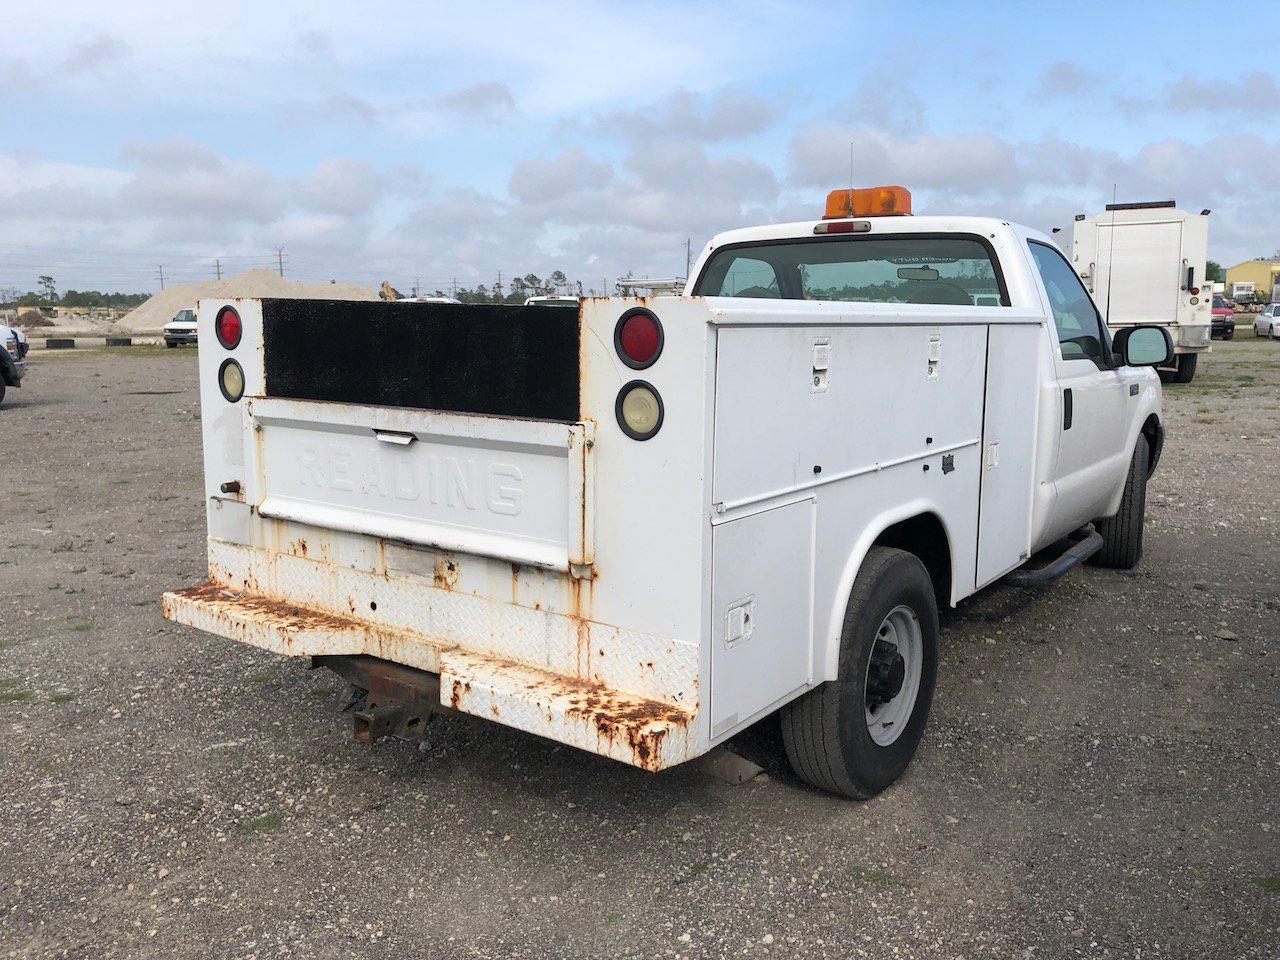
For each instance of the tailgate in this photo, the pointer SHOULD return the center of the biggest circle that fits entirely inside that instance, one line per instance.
(514, 489)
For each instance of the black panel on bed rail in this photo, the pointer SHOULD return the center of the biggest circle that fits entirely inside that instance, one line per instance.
(510, 361)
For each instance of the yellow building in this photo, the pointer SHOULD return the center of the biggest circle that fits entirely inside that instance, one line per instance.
(1263, 274)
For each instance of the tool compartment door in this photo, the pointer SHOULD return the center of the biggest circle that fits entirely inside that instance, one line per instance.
(518, 490)
(762, 609)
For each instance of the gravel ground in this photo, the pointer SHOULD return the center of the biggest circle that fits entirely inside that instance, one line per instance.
(1099, 778)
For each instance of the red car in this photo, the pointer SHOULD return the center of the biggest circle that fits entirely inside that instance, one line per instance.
(1223, 325)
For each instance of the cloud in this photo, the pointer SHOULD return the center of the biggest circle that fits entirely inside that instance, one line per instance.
(963, 164)
(728, 114)
(884, 100)
(537, 181)
(1064, 79)
(1255, 94)
(486, 101)
(337, 108)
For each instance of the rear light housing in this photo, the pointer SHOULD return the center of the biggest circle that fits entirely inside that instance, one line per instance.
(231, 380)
(639, 410)
(638, 338)
(228, 327)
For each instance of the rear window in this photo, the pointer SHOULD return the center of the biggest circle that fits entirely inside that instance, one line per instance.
(954, 270)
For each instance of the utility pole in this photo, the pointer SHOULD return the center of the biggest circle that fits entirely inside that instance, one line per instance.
(688, 256)
(161, 269)
(280, 259)
(217, 265)
(455, 288)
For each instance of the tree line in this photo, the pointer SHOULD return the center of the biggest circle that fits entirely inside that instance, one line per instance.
(517, 290)
(47, 296)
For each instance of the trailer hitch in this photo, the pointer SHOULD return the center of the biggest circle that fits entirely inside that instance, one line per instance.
(387, 699)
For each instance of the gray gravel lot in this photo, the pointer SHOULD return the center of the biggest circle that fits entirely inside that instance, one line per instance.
(1099, 779)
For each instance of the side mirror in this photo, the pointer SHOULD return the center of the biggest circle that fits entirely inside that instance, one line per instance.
(1144, 346)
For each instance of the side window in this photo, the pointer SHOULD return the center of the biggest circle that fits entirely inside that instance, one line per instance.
(747, 277)
(1079, 327)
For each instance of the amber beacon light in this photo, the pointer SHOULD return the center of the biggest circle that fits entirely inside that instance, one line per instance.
(868, 202)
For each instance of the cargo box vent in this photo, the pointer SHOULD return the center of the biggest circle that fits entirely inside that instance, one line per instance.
(507, 361)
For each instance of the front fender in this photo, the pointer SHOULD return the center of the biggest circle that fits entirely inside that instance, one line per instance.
(1150, 405)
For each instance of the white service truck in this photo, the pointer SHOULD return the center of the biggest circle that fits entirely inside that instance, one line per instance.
(640, 526)
(1144, 263)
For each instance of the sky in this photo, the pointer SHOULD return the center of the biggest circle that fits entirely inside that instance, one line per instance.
(423, 142)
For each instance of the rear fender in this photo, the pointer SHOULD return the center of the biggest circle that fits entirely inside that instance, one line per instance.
(829, 656)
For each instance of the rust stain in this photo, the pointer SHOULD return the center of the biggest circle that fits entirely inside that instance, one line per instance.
(288, 617)
(458, 689)
(639, 724)
(445, 573)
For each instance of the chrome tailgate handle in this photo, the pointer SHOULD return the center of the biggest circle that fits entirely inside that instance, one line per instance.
(396, 437)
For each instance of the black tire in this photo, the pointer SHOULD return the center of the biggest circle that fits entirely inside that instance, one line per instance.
(1229, 335)
(2, 389)
(170, 344)
(825, 731)
(1186, 368)
(1122, 534)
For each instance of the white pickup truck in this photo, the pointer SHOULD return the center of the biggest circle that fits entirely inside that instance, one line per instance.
(640, 526)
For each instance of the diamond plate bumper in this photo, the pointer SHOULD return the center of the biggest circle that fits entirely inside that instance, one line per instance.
(584, 713)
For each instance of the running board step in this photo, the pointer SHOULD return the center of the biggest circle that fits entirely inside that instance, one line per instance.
(1055, 560)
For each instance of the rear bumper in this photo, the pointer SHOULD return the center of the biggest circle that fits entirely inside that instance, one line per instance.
(582, 712)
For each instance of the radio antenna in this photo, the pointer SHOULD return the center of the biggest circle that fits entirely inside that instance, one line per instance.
(1111, 255)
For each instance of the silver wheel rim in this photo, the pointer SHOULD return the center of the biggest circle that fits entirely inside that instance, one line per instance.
(902, 629)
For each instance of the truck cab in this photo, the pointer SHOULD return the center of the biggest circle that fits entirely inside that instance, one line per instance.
(640, 526)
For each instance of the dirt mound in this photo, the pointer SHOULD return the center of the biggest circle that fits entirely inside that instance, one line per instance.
(151, 316)
(29, 317)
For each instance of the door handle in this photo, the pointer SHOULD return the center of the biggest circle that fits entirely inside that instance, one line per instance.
(395, 436)
(1066, 409)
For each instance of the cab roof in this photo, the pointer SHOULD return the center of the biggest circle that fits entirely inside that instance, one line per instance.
(805, 229)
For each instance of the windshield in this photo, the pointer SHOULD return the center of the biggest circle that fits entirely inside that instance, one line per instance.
(904, 269)
(183, 316)
(1219, 303)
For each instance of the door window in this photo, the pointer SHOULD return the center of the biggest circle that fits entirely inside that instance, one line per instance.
(1080, 332)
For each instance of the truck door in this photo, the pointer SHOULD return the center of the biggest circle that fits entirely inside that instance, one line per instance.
(1093, 429)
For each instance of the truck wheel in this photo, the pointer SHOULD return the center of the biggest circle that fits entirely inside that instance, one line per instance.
(1186, 368)
(2, 387)
(1122, 534)
(856, 734)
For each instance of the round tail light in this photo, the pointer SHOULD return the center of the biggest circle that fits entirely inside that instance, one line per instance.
(231, 380)
(639, 410)
(638, 338)
(228, 327)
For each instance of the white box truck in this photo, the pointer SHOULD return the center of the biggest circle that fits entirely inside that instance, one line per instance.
(639, 526)
(1144, 263)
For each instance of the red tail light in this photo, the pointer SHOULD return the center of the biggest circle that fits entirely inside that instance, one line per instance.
(638, 338)
(228, 327)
